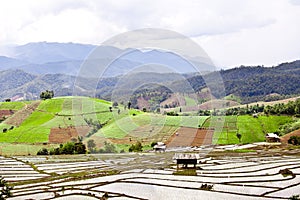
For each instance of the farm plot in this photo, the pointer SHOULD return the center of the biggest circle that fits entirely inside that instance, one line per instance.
(190, 137)
(14, 170)
(150, 176)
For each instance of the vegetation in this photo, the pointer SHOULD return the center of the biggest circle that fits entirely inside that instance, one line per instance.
(286, 172)
(206, 187)
(69, 148)
(47, 94)
(185, 172)
(294, 140)
(137, 147)
(108, 148)
(5, 189)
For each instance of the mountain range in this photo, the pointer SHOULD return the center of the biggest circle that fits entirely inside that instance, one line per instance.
(27, 70)
(69, 58)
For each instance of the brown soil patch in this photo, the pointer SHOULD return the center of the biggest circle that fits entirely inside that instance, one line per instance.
(62, 135)
(285, 138)
(190, 137)
(6, 113)
(22, 114)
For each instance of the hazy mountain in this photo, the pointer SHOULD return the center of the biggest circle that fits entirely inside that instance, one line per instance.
(8, 63)
(70, 58)
(44, 52)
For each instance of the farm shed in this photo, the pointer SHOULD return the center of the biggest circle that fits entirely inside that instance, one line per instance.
(186, 159)
(160, 146)
(272, 137)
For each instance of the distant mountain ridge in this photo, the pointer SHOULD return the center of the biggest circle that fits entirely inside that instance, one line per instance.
(249, 83)
(69, 58)
(29, 69)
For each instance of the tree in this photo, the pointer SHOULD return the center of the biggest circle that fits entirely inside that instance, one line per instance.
(47, 94)
(91, 145)
(239, 136)
(43, 151)
(109, 148)
(137, 147)
(79, 148)
(129, 105)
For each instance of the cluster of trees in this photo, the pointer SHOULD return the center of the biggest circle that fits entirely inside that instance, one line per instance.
(290, 108)
(137, 147)
(48, 94)
(254, 83)
(108, 147)
(248, 110)
(69, 148)
(153, 94)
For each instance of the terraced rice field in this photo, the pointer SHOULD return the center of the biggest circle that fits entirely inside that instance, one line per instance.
(150, 176)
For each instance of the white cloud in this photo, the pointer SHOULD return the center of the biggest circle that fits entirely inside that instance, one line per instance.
(233, 32)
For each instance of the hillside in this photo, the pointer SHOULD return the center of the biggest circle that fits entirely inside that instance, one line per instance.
(34, 67)
(62, 119)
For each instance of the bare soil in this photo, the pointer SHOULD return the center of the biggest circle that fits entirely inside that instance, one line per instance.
(190, 137)
(22, 114)
(284, 139)
(62, 135)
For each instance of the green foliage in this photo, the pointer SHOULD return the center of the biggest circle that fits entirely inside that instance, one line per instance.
(43, 151)
(291, 108)
(68, 148)
(294, 140)
(185, 172)
(239, 136)
(91, 145)
(48, 94)
(172, 113)
(108, 148)
(153, 144)
(137, 147)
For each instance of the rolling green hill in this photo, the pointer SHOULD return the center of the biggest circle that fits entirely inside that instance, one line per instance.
(38, 123)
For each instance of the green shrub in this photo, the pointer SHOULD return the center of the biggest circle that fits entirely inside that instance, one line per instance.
(137, 147)
(43, 151)
(294, 140)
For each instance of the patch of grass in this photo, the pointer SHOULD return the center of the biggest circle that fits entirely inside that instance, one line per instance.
(13, 105)
(252, 129)
(9, 149)
(185, 172)
(240, 151)
(190, 101)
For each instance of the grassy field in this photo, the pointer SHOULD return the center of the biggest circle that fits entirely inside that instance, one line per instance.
(252, 129)
(57, 112)
(125, 125)
(122, 124)
(13, 105)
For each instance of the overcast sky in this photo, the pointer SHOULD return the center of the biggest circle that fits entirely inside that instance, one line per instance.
(232, 32)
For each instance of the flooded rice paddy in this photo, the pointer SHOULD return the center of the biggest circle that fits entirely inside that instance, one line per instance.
(150, 176)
